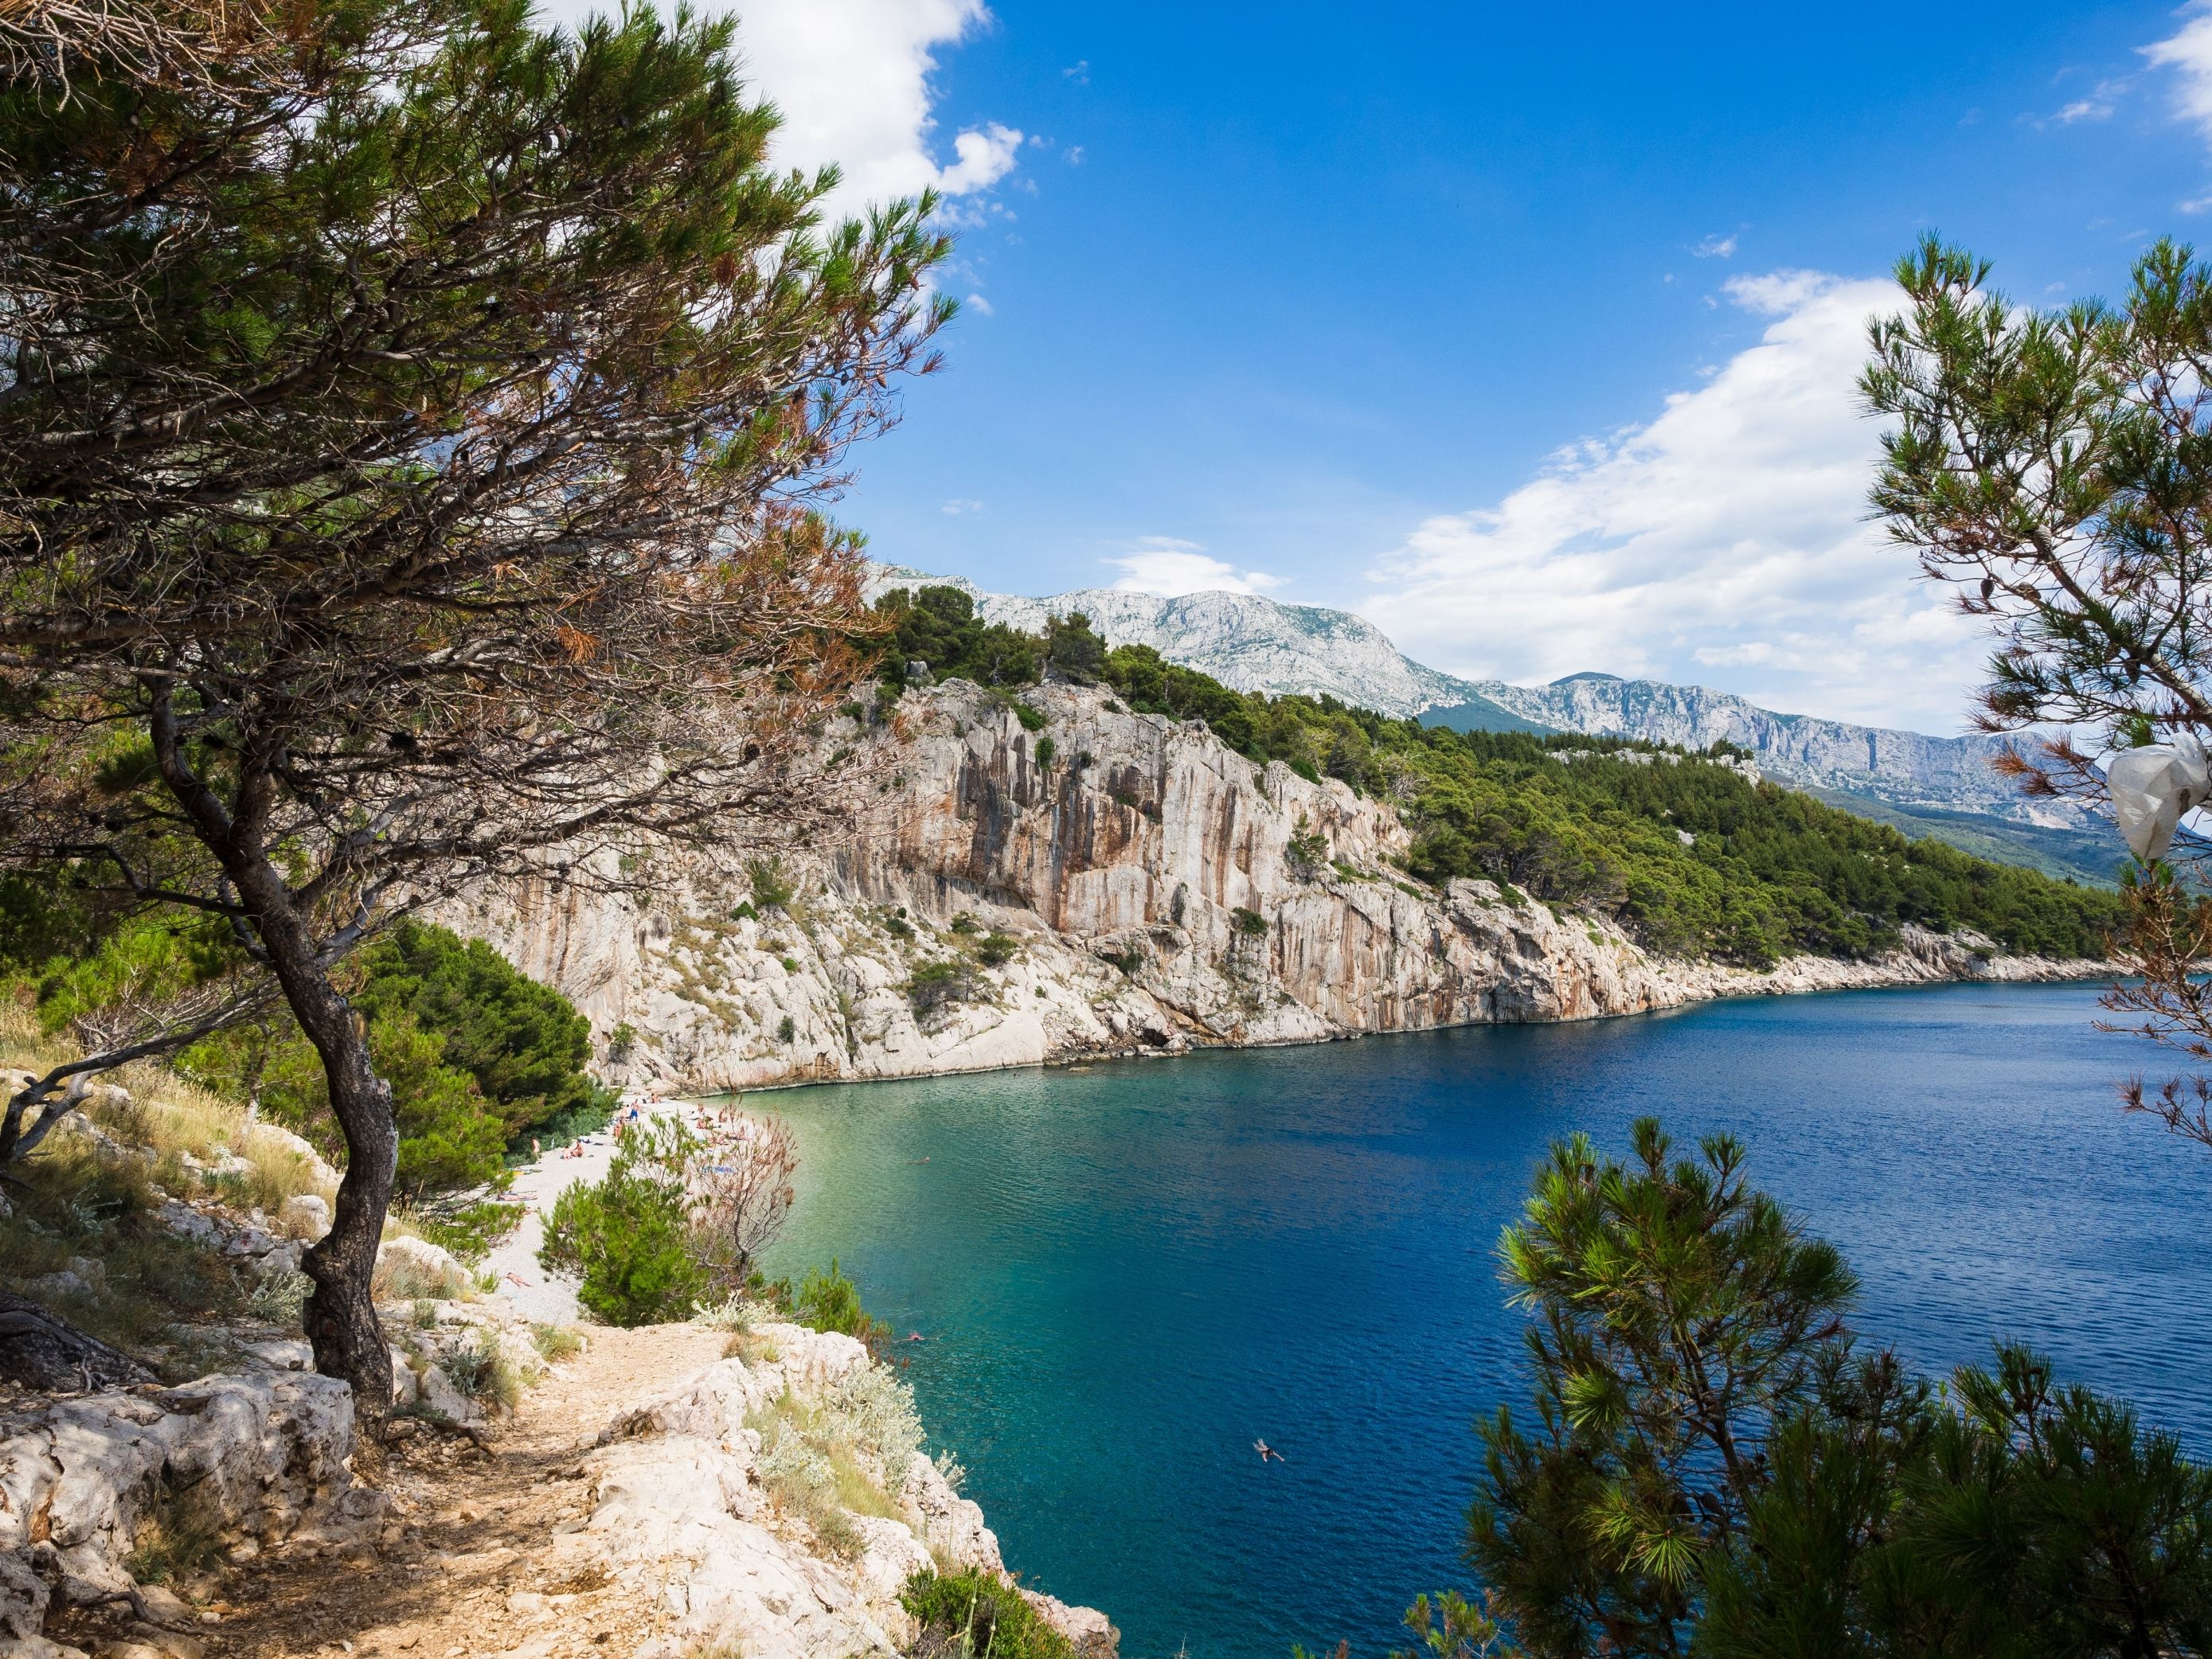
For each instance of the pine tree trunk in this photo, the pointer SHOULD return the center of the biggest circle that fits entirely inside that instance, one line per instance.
(341, 1313)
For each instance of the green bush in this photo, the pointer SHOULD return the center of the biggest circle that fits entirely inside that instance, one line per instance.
(524, 1044)
(772, 888)
(629, 1238)
(938, 626)
(978, 1616)
(934, 986)
(1046, 748)
(831, 1302)
(468, 1232)
(1032, 719)
(995, 950)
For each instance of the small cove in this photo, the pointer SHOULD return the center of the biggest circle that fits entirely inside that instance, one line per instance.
(1127, 1272)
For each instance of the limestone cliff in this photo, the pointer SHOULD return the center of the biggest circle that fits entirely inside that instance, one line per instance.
(1145, 891)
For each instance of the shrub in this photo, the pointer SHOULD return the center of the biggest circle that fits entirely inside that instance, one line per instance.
(1249, 923)
(831, 1302)
(1309, 850)
(786, 1029)
(978, 1616)
(620, 1041)
(1032, 719)
(845, 1452)
(741, 1196)
(772, 889)
(556, 1342)
(629, 1238)
(936, 985)
(996, 950)
(1046, 748)
(524, 1044)
(965, 923)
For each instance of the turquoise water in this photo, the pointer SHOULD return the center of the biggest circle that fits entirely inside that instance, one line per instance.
(1127, 1274)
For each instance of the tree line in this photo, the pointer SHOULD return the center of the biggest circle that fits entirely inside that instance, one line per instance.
(1685, 851)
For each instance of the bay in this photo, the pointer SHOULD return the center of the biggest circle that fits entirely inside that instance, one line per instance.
(1126, 1274)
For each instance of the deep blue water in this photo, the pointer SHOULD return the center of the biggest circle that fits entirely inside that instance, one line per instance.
(1128, 1273)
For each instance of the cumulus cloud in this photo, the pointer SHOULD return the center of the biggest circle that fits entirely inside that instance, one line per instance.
(851, 79)
(2188, 52)
(1161, 564)
(1716, 247)
(1725, 543)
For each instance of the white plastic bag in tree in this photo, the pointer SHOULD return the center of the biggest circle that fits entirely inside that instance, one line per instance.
(2154, 788)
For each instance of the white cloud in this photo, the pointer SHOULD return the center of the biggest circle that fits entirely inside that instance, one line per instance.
(851, 78)
(1725, 543)
(2082, 109)
(1161, 564)
(959, 505)
(1715, 248)
(2188, 52)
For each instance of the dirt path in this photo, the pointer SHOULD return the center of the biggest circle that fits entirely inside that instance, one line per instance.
(467, 1578)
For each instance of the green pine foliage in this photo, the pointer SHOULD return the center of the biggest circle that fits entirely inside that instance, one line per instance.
(938, 626)
(1713, 1467)
(524, 1044)
(629, 1238)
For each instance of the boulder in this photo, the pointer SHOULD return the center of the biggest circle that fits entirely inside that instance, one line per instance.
(435, 1390)
(264, 1457)
(680, 1512)
(1092, 1634)
(409, 1267)
(23, 1597)
(183, 1219)
(306, 1216)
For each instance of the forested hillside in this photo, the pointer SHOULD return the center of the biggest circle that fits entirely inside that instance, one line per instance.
(1686, 850)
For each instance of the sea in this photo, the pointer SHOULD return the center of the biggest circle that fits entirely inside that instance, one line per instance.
(1123, 1275)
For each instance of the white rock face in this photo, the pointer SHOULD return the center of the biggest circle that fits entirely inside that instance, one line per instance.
(679, 1510)
(1145, 883)
(262, 1457)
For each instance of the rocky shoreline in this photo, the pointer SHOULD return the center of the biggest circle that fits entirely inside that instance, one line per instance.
(1062, 879)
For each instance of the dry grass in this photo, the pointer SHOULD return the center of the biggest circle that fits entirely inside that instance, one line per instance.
(151, 1291)
(174, 1119)
(403, 1278)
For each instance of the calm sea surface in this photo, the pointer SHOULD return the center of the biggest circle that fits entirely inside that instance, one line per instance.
(1127, 1274)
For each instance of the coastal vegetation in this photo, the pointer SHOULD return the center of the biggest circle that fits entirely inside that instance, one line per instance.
(2050, 468)
(406, 474)
(1691, 854)
(480, 1057)
(1714, 1462)
(974, 1616)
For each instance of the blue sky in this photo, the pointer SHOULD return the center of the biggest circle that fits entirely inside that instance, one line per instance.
(1528, 332)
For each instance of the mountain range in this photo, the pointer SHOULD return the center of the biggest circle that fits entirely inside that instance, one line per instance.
(1943, 787)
